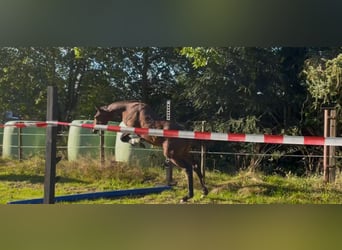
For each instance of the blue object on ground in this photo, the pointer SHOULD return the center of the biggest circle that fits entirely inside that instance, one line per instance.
(97, 195)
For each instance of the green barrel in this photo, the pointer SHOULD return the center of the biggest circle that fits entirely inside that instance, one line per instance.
(83, 142)
(32, 140)
(147, 156)
(109, 141)
(1, 138)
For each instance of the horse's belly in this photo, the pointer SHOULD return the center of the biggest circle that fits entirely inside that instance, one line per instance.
(154, 140)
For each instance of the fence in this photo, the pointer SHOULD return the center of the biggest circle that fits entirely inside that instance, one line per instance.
(76, 143)
(51, 133)
(253, 138)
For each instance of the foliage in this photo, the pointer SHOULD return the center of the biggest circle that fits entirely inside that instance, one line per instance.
(322, 77)
(84, 77)
(274, 90)
(324, 83)
(200, 56)
(324, 80)
(249, 90)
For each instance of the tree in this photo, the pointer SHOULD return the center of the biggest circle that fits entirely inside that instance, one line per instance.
(24, 75)
(151, 74)
(248, 90)
(26, 72)
(323, 80)
(84, 77)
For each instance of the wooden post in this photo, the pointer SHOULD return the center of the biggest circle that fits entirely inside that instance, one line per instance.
(325, 148)
(102, 152)
(51, 135)
(329, 161)
(332, 149)
(203, 154)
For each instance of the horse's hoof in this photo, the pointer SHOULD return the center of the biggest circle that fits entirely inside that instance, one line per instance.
(205, 191)
(184, 199)
(172, 183)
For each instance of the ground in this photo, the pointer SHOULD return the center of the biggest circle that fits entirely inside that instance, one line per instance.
(25, 180)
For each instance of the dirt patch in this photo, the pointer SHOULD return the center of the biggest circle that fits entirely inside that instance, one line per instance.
(254, 190)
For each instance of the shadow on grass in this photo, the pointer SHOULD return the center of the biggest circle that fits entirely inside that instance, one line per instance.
(34, 179)
(239, 192)
(273, 189)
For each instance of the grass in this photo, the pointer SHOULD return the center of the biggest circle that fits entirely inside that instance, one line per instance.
(25, 180)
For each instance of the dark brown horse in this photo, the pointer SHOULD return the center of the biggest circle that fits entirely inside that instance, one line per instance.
(140, 115)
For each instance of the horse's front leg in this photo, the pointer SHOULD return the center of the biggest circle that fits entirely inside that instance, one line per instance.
(125, 137)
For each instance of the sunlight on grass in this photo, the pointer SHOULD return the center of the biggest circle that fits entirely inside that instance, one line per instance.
(25, 180)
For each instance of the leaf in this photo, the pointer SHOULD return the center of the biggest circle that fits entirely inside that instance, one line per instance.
(78, 53)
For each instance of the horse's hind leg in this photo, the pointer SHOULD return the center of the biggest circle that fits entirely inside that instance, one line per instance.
(201, 178)
(189, 175)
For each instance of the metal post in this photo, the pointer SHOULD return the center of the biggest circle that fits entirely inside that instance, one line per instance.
(168, 110)
(168, 165)
(51, 135)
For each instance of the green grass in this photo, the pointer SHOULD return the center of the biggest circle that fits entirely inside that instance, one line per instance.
(24, 180)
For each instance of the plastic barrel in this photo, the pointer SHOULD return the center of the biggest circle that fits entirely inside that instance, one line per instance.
(33, 140)
(1, 138)
(147, 156)
(110, 140)
(83, 142)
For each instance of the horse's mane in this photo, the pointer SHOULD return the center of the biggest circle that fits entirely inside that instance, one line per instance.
(127, 101)
(150, 116)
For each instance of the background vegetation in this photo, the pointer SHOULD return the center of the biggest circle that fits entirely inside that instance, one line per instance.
(278, 90)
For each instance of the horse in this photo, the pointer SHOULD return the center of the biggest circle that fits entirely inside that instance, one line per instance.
(140, 115)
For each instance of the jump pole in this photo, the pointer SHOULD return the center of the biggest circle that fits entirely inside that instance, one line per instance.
(98, 195)
(50, 154)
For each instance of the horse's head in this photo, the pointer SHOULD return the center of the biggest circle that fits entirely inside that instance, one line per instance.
(102, 116)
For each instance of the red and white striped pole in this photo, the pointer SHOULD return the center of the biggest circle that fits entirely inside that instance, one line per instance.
(197, 135)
